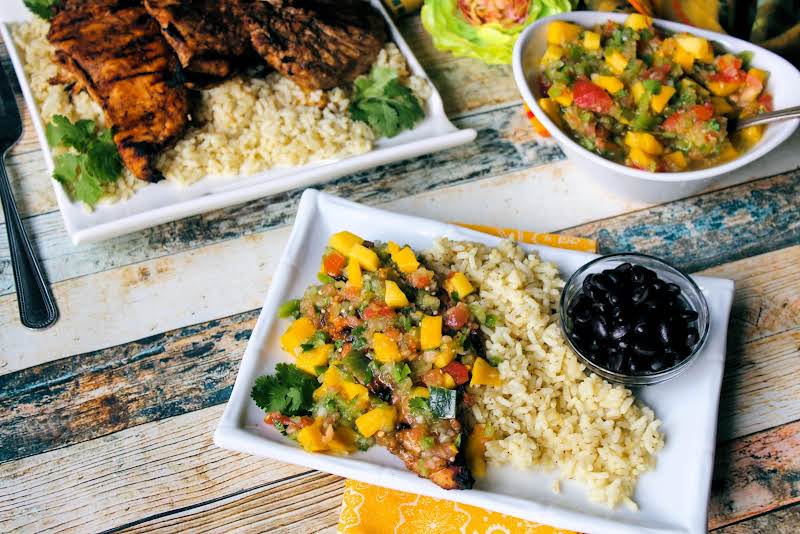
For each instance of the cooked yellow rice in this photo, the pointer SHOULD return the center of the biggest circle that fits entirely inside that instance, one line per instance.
(549, 413)
(244, 126)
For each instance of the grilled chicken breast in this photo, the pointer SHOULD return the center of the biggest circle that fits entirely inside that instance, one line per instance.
(319, 44)
(209, 41)
(114, 49)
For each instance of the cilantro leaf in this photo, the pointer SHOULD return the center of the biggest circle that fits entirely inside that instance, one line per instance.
(42, 8)
(384, 103)
(289, 391)
(400, 372)
(94, 162)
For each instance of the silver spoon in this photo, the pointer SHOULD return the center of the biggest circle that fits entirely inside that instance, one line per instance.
(765, 118)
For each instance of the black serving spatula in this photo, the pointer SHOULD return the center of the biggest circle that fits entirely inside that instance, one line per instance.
(37, 309)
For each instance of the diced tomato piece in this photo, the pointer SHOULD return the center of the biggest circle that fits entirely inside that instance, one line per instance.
(290, 424)
(704, 112)
(765, 101)
(377, 309)
(670, 124)
(458, 371)
(457, 316)
(353, 321)
(729, 69)
(657, 73)
(333, 263)
(419, 279)
(587, 95)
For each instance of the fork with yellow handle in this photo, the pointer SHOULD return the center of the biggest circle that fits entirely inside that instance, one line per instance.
(534, 238)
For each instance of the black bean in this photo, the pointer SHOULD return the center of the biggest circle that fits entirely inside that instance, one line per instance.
(644, 350)
(613, 297)
(615, 277)
(674, 289)
(615, 362)
(640, 294)
(602, 282)
(600, 308)
(587, 282)
(620, 331)
(657, 365)
(600, 328)
(623, 267)
(637, 274)
(641, 328)
(692, 337)
(583, 316)
(664, 333)
(688, 315)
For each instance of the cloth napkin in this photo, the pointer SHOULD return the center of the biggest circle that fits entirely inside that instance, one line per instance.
(368, 509)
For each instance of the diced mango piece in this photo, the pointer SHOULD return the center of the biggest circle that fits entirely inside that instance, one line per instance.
(721, 105)
(385, 348)
(683, 58)
(343, 441)
(751, 135)
(446, 355)
(365, 257)
(392, 247)
(617, 62)
(645, 141)
(760, 75)
(343, 241)
(420, 391)
(553, 53)
(475, 450)
(564, 98)
(659, 102)
(333, 377)
(641, 158)
(698, 47)
(458, 283)
(484, 374)
(297, 333)
(560, 32)
(310, 360)
(430, 332)
(449, 381)
(728, 153)
(677, 159)
(637, 91)
(721, 88)
(591, 40)
(394, 296)
(310, 437)
(353, 273)
(352, 391)
(380, 418)
(611, 84)
(637, 21)
(406, 260)
(550, 107)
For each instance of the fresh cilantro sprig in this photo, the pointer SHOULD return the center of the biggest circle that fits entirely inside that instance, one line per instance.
(42, 8)
(384, 103)
(289, 391)
(93, 162)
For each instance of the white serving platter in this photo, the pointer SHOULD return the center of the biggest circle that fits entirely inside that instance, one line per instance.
(163, 202)
(672, 499)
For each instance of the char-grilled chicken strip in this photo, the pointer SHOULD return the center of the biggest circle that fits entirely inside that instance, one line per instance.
(209, 40)
(114, 49)
(319, 44)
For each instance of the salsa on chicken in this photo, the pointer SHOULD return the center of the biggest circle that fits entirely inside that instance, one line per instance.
(383, 349)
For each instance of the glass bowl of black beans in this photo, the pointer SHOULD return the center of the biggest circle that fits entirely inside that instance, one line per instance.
(634, 319)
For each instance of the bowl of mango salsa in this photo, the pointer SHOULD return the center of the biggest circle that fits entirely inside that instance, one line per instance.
(647, 105)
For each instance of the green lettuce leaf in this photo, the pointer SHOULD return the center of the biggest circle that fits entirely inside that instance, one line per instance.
(492, 42)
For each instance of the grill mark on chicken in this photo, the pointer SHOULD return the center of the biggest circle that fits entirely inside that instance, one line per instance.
(319, 44)
(115, 50)
(209, 41)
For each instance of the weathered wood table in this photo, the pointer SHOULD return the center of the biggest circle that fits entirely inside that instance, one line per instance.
(106, 419)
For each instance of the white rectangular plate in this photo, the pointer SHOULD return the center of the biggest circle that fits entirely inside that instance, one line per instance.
(164, 202)
(673, 498)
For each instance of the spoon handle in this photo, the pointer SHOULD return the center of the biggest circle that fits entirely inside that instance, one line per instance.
(772, 116)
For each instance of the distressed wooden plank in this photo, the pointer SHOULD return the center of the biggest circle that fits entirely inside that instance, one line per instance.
(81, 397)
(756, 474)
(130, 475)
(307, 503)
(783, 521)
(167, 474)
(495, 152)
(711, 229)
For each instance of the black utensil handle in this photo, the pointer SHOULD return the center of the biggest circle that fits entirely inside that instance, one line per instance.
(37, 309)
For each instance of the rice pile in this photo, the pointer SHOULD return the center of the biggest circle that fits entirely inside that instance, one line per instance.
(548, 413)
(243, 126)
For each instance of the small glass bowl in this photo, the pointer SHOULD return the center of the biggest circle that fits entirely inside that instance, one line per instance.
(689, 291)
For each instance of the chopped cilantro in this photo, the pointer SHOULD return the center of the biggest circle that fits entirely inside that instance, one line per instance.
(94, 162)
(325, 279)
(405, 322)
(714, 125)
(289, 391)
(454, 296)
(280, 427)
(384, 103)
(652, 86)
(400, 372)
(359, 341)
(418, 405)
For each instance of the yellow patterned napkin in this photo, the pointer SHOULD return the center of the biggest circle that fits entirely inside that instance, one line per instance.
(368, 509)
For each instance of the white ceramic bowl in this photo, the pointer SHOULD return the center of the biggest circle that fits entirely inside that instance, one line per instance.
(783, 83)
